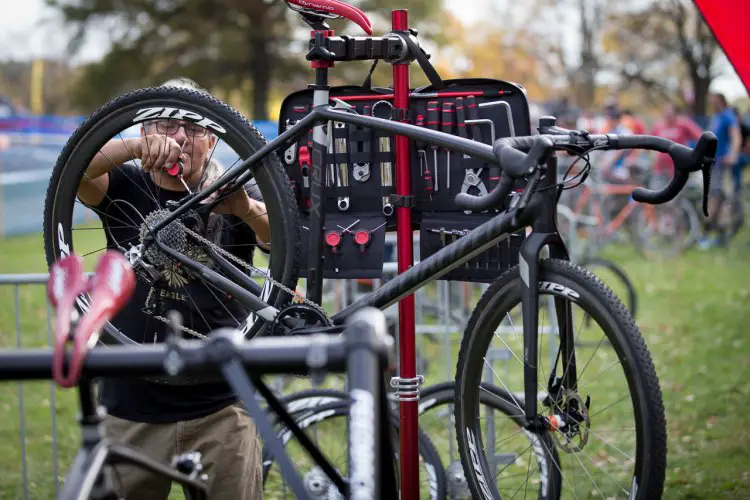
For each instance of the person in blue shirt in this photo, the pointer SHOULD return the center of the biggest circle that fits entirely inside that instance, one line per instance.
(726, 127)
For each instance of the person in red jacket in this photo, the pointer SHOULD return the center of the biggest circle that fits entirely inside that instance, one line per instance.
(675, 127)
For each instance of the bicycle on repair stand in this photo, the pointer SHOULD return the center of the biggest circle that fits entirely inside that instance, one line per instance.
(610, 428)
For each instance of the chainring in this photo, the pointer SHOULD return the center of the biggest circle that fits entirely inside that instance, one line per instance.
(305, 317)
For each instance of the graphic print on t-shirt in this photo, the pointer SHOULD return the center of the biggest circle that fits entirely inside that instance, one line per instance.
(133, 205)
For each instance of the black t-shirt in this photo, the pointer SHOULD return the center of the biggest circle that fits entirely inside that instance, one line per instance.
(132, 196)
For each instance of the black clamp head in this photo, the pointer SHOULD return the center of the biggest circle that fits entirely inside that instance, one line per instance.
(403, 201)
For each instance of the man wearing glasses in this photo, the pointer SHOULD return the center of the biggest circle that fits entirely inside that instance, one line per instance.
(167, 420)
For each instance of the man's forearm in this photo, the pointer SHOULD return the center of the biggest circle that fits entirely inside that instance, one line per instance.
(257, 218)
(113, 154)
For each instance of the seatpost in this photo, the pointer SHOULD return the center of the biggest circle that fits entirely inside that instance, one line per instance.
(90, 417)
(317, 187)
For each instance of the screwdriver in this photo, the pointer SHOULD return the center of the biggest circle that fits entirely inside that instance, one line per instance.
(426, 174)
(448, 114)
(433, 121)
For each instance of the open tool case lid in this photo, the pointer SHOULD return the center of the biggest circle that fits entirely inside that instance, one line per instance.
(360, 172)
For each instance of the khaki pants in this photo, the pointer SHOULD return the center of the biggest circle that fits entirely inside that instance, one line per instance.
(227, 441)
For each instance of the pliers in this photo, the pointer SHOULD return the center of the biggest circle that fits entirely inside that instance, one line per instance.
(472, 179)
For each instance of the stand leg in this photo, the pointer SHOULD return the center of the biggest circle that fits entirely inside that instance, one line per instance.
(409, 403)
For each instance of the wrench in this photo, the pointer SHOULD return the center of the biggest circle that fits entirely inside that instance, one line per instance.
(472, 179)
(362, 170)
(342, 179)
(386, 174)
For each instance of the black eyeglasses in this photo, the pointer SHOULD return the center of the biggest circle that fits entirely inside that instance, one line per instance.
(170, 127)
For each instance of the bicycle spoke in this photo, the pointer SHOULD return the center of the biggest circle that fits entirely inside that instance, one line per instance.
(506, 438)
(507, 466)
(525, 484)
(196, 308)
(592, 355)
(572, 351)
(148, 194)
(621, 487)
(105, 248)
(504, 386)
(154, 197)
(97, 228)
(540, 386)
(549, 453)
(104, 215)
(221, 302)
(111, 201)
(592, 415)
(611, 445)
(589, 475)
(596, 377)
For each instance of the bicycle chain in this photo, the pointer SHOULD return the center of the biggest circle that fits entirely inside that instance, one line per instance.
(250, 268)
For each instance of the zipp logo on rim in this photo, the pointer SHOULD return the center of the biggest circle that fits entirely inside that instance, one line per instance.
(64, 247)
(285, 434)
(557, 288)
(177, 114)
(64, 250)
(474, 455)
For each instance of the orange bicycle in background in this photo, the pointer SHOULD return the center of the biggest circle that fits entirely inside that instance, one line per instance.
(603, 206)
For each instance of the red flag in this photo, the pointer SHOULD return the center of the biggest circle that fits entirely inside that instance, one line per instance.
(729, 19)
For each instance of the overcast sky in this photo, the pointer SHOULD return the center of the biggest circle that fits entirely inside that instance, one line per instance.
(29, 29)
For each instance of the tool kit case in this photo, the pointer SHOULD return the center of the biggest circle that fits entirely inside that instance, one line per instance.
(360, 170)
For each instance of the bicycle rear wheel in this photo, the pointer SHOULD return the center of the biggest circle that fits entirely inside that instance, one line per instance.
(614, 440)
(326, 423)
(70, 226)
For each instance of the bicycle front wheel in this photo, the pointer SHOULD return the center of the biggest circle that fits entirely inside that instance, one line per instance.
(613, 442)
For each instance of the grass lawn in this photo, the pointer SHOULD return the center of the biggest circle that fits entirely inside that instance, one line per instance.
(692, 312)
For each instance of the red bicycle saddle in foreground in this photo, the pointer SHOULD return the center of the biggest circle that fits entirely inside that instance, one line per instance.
(332, 9)
(109, 289)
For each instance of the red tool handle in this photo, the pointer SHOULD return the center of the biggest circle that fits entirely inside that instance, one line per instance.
(427, 178)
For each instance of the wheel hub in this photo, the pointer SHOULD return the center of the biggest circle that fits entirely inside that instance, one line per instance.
(572, 427)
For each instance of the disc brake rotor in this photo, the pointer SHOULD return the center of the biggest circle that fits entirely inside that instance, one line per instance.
(574, 436)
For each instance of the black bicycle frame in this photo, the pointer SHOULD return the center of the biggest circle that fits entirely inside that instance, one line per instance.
(242, 172)
(540, 215)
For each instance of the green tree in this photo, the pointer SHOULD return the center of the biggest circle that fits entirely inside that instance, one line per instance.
(665, 49)
(223, 44)
(564, 36)
(58, 80)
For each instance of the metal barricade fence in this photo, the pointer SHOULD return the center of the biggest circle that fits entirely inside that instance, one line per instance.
(442, 312)
(20, 300)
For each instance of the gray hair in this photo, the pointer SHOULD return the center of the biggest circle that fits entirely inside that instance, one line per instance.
(184, 82)
(213, 169)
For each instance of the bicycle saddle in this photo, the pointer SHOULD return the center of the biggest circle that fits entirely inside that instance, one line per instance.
(332, 9)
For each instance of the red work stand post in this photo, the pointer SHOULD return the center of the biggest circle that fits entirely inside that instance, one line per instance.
(407, 383)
